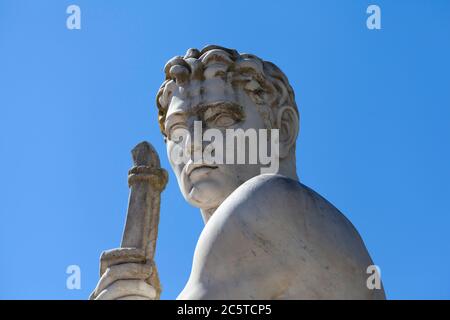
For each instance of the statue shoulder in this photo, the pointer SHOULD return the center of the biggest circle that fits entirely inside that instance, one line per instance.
(276, 238)
(270, 197)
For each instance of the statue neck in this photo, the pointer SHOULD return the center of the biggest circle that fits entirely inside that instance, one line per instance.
(207, 213)
(287, 168)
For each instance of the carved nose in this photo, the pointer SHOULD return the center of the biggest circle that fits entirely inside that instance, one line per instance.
(191, 146)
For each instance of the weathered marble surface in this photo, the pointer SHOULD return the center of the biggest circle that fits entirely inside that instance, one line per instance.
(266, 236)
(287, 243)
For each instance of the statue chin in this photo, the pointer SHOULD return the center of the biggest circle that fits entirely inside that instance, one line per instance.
(206, 194)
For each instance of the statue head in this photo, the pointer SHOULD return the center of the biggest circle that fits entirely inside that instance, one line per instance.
(221, 90)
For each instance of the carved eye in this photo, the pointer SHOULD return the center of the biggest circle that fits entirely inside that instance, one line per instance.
(223, 121)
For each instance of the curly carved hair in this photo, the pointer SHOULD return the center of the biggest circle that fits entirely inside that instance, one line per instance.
(263, 81)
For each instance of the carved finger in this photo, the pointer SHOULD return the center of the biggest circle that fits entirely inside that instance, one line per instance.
(130, 271)
(123, 288)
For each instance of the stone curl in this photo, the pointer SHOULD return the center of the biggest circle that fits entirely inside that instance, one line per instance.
(263, 81)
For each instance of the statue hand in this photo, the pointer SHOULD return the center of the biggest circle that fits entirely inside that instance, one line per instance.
(126, 275)
(129, 272)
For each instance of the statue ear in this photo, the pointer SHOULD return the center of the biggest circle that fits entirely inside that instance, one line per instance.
(288, 124)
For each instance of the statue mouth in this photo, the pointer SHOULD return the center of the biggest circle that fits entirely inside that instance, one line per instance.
(199, 168)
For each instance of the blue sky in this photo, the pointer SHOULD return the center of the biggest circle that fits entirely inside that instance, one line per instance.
(374, 137)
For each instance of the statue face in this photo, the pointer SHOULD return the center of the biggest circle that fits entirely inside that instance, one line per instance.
(207, 186)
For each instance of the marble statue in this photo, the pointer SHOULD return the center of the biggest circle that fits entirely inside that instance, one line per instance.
(266, 235)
